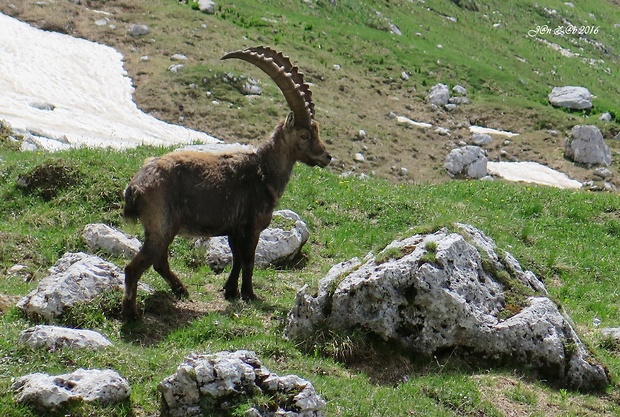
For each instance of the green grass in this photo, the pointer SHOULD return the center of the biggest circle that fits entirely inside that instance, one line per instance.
(568, 238)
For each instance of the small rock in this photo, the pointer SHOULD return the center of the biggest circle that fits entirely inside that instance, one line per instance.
(605, 117)
(459, 89)
(138, 30)
(442, 131)
(404, 76)
(359, 157)
(54, 337)
(103, 237)
(101, 22)
(49, 394)
(361, 134)
(19, 270)
(203, 382)
(280, 243)
(459, 100)
(576, 98)
(43, 106)
(178, 57)
(603, 172)
(175, 68)
(481, 139)
(206, 6)
(467, 162)
(75, 278)
(439, 95)
(586, 146)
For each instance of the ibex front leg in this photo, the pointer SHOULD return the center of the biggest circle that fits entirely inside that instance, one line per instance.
(243, 248)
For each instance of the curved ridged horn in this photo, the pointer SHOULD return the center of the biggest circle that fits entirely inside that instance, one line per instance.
(286, 76)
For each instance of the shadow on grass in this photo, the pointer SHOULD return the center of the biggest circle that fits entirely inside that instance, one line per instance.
(163, 313)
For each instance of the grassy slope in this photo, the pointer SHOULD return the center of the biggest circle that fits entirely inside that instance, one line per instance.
(568, 238)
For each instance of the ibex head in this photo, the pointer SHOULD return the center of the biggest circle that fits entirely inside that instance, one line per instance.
(300, 130)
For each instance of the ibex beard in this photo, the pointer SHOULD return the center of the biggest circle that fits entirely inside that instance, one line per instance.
(232, 194)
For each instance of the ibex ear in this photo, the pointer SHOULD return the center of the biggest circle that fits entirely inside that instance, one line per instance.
(290, 120)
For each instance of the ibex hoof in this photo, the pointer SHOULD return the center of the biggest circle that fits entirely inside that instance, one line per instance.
(249, 297)
(230, 295)
(181, 292)
(130, 311)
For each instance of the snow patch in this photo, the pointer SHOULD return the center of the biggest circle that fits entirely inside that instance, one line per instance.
(531, 172)
(86, 92)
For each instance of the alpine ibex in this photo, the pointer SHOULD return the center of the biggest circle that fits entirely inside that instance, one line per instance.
(222, 194)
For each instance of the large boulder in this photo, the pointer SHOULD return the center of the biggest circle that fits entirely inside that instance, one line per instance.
(575, 98)
(55, 337)
(446, 292)
(467, 162)
(49, 393)
(202, 381)
(75, 278)
(586, 146)
(277, 245)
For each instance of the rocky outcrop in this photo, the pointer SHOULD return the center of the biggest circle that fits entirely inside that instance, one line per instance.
(49, 394)
(450, 291)
(202, 381)
(277, 245)
(586, 146)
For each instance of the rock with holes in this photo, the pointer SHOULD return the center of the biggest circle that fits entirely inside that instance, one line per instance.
(586, 146)
(450, 292)
(101, 237)
(50, 394)
(203, 382)
(277, 245)
(75, 278)
(55, 337)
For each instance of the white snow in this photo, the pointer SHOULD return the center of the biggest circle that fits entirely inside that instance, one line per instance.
(489, 131)
(531, 172)
(403, 119)
(87, 86)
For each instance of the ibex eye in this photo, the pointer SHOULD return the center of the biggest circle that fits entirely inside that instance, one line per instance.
(304, 137)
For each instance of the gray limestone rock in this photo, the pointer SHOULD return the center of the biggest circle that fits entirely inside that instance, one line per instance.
(49, 394)
(467, 162)
(586, 146)
(277, 245)
(576, 98)
(211, 379)
(54, 337)
(448, 291)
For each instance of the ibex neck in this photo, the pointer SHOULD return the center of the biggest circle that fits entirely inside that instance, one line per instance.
(277, 165)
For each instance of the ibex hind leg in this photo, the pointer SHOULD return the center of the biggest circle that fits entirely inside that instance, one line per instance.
(133, 272)
(162, 267)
